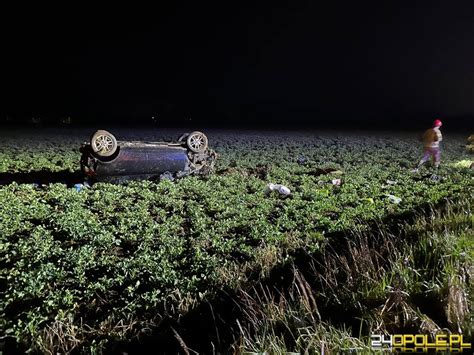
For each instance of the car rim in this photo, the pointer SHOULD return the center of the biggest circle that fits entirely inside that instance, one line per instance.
(104, 144)
(196, 142)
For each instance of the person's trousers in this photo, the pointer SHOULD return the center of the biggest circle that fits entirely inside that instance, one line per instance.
(434, 153)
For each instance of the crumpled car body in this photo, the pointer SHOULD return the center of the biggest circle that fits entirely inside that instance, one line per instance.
(106, 159)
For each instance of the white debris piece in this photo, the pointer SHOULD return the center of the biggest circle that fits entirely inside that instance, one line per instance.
(281, 189)
(336, 182)
(394, 199)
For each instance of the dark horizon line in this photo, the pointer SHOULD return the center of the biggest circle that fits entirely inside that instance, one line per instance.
(464, 124)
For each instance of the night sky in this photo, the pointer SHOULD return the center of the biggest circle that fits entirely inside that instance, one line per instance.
(397, 63)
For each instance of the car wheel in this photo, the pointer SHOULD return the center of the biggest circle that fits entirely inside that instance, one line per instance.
(197, 142)
(103, 143)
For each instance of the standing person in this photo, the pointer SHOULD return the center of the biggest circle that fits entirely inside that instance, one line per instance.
(431, 139)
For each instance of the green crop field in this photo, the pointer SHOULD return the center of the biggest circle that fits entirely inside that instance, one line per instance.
(81, 270)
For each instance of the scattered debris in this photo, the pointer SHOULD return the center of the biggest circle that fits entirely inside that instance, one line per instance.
(394, 199)
(301, 160)
(167, 176)
(435, 177)
(336, 182)
(80, 187)
(281, 189)
(392, 182)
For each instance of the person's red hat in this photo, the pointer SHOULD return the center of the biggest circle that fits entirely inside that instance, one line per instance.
(437, 123)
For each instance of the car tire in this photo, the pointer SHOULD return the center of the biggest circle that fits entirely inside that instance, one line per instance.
(103, 143)
(197, 142)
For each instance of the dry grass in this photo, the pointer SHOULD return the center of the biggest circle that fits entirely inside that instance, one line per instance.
(387, 279)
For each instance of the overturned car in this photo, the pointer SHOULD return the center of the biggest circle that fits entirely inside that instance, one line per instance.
(106, 159)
